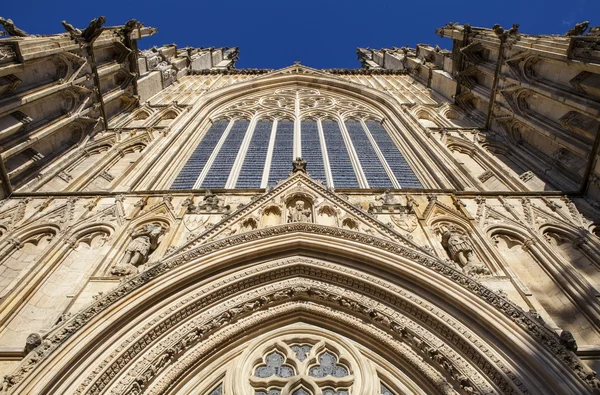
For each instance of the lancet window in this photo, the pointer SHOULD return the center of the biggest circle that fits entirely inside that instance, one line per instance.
(252, 142)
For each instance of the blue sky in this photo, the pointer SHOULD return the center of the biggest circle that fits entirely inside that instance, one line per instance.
(318, 33)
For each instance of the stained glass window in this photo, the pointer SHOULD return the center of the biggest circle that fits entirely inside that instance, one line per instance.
(385, 390)
(311, 150)
(301, 351)
(339, 160)
(254, 162)
(283, 152)
(370, 163)
(219, 171)
(328, 366)
(217, 391)
(330, 391)
(403, 172)
(193, 167)
(274, 367)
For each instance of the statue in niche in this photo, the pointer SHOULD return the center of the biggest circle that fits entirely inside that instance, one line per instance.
(11, 29)
(298, 213)
(299, 165)
(143, 244)
(460, 250)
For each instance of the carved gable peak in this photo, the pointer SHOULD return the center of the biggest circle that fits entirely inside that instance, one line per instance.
(298, 199)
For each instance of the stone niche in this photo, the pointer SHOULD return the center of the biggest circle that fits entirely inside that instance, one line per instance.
(299, 208)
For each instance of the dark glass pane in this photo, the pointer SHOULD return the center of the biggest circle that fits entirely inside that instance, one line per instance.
(370, 163)
(403, 172)
(192, 169)
(311, 150)
(339, 160)
(283, 152)
(254, 162)
(219, 171)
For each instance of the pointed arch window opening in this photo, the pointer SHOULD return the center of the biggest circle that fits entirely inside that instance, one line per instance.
(247, 154)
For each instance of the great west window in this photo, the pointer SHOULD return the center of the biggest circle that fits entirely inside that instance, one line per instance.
(343, 142)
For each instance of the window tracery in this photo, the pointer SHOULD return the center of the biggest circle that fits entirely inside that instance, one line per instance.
(297, 367)
(253, 141)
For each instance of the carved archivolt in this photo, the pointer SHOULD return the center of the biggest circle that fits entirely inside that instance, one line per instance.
(171, 355)
(221, 321)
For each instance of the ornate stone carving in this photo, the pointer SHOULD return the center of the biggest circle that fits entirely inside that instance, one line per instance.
(567, 340)
(460, 250)
(578, 29)
(87, 35)
(299, 213)
(11, 29)
(144, 242)
(210, 203)
(299, 165)
(32, 342)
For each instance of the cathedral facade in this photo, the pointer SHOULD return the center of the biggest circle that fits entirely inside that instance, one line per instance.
(427, 223)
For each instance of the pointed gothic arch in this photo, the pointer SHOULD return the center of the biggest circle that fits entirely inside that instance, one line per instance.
(378, 104)
(356, 275)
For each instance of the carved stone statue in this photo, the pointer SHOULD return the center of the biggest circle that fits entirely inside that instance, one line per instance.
(298, 213)
(94, 29)
(144, 242)
(299, 165)
(460, 250)
(566, 339)
(72, 30)
(578, 29)
(11, 29)
(33, 340)
(130, 26)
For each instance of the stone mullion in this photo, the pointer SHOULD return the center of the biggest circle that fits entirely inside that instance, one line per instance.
(382, 159)
(213, 155)
(360, 175)
(328, 175)
(265, 178)
(239, 160)
(297, 129)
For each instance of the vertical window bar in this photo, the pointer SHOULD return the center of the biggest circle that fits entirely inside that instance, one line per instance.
(380, 155)
(339, 160)
(239, 160)
(369, 162)
(219, 171)
(254, 163)
(265, 178)
(197, 161)
(283, 152)
(311, 150)
(398, 164)
(325, 155)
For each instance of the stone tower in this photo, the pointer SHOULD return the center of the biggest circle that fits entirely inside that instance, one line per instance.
(427, 223)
